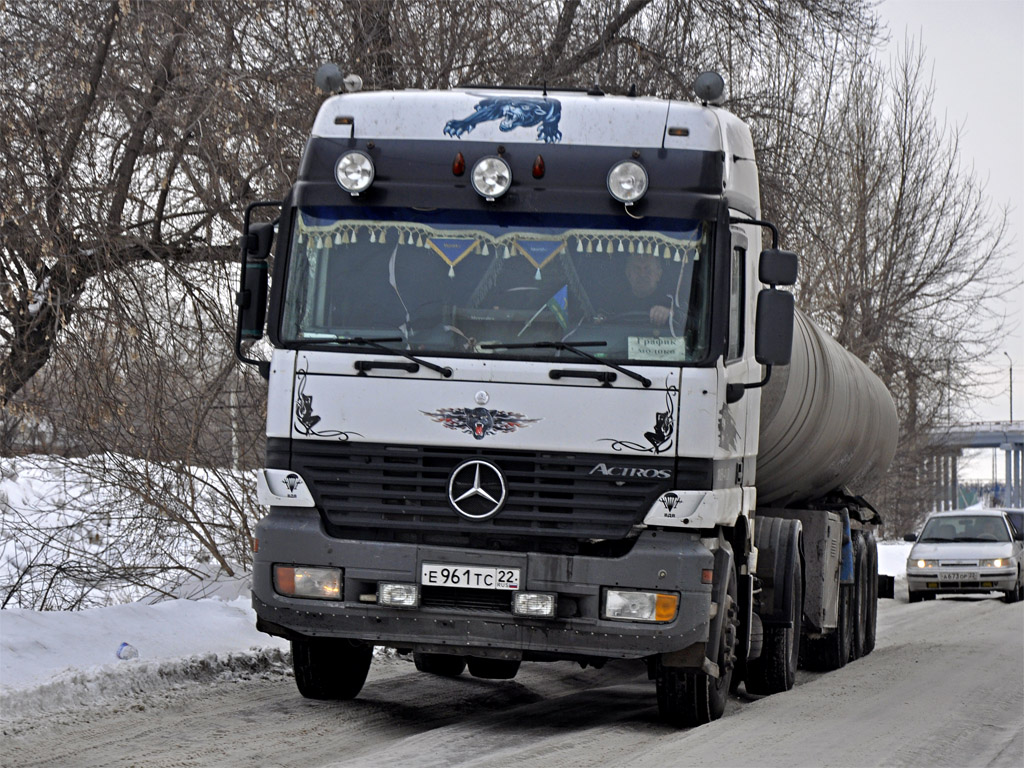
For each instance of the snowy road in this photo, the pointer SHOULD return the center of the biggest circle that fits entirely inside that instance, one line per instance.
(945, 686)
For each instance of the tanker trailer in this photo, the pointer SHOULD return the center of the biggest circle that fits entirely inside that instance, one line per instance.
(828, 432)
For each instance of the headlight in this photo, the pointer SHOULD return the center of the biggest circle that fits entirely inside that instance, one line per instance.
(307, 581)
(998, 562)
(627, 181)
(354, 172)
(534, 604)
(491, 177)
(922, 563)
(626, 605)
(398, 595)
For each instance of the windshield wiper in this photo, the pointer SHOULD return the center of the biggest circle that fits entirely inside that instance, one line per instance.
(378, 343)
(574, 348)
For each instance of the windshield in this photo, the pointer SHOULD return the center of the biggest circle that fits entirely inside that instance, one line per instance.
(965, 528)
(454, 282)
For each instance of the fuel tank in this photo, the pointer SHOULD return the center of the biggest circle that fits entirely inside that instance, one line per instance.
(826, 421)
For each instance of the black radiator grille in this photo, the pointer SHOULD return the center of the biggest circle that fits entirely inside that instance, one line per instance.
(404, 489)
(487, 600)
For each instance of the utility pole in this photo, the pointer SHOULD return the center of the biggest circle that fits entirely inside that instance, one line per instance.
(1011, 382)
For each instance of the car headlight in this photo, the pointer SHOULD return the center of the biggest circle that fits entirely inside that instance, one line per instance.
(912, 563)
(998, 562)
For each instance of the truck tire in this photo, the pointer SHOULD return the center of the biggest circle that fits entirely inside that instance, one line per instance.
(861, 598)
(775, 670)
(441, 664)
(493, 669)
(690, 697)
(824, 654)
(869, 635)
(330, 669)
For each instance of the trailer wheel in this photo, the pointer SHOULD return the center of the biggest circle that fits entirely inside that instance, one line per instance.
(869, 634)
(689, 697)
(823, 654)
(775, 670)
(330, 669)
(778, 542)
(861, 599)
(441, 664)
(493, 669)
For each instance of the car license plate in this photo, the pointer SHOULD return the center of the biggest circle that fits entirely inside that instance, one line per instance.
(958, 576)
(469, 576)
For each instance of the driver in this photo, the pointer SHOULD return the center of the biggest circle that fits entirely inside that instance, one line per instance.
(644, 275)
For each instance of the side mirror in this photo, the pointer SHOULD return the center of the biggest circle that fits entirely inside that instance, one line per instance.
(1018, 535)
(777, 267)
(252, 296)
(773, 335)
(910, 537)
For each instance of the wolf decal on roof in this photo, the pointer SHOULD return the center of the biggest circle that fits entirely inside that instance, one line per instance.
(514, 112)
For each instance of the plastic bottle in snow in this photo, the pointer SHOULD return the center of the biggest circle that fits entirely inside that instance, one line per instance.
(127, 651)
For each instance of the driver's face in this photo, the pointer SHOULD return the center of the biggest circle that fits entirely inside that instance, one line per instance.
(643, 273)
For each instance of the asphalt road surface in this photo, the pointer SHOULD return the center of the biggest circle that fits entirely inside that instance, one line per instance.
(944, 687)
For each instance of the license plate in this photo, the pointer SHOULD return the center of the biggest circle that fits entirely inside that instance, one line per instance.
(958, 576)
(469, 576)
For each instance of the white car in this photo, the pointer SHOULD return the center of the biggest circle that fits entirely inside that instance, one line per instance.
(975, 550)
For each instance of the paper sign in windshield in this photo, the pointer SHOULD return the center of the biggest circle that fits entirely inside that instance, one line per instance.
(665, 348)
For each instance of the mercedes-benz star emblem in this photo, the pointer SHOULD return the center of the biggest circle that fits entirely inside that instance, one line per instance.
(476, 489)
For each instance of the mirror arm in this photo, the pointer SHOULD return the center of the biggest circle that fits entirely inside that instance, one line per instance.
(759, 223)
(733, 392)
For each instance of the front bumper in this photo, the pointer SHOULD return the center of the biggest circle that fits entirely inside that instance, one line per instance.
(977, 580)
(459, 621)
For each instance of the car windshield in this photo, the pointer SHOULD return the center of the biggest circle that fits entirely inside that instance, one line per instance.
(464, 283)
(965, 528)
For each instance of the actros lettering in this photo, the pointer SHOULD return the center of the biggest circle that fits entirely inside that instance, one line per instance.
(645, 472)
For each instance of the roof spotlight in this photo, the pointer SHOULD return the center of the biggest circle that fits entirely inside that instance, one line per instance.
(354, 172)
(627, 181)
(492, 177)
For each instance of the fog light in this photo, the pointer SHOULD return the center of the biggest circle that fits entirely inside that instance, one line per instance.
(398, 595)
(625, 605)
(491, 177)
(307, 581)
(627, 181)
(534, 604)
(354, 172)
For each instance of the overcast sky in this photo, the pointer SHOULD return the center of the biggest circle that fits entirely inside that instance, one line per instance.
(977, 48)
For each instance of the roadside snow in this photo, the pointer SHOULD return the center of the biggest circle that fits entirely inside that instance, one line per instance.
(54, 660)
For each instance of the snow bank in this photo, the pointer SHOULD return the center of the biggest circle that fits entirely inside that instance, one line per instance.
(53, 660)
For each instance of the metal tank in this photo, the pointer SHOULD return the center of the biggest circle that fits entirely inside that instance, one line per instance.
(826, 421)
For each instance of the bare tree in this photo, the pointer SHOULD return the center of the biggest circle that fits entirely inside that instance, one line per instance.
(902, 249)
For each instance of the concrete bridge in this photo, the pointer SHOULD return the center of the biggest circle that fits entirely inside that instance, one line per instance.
(940, 470)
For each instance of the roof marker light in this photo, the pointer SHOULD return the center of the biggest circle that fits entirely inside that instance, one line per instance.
(492, 177)
(354, 172)
(627, 181)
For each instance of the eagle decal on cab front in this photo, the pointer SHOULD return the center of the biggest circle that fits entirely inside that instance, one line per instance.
(479, 422)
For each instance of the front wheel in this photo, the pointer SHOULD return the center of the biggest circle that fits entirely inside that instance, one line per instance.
(327, 668)
(1014, 595)
(689, 697)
